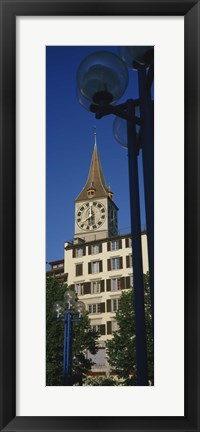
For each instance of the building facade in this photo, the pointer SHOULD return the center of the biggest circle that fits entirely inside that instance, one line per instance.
(57, 271)
(99, 261)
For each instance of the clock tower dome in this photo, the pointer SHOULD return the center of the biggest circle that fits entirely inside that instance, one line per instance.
(95, 210)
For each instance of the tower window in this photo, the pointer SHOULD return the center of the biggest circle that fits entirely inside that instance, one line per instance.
(115, 284)
(115, 305)
(90, 193)
(95, 266)
(96, 328)
(115, 245)
(79, 252)
(79, 269)
(129, 261)
(94, 308)
(96, 287)
(115, 263)
(79, 288)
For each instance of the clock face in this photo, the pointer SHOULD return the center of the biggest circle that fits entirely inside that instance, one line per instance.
(90, 215)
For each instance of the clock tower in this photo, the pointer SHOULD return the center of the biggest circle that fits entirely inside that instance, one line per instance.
(95, 210)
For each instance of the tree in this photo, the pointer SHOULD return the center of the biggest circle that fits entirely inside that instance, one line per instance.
(121, 348)
(83, 338)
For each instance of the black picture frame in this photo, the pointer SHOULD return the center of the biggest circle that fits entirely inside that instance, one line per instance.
(9, 10)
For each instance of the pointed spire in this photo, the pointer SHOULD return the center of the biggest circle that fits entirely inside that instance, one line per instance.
(95, 180)
(95, 136)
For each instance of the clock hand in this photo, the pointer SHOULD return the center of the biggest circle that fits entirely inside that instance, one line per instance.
(87, 218)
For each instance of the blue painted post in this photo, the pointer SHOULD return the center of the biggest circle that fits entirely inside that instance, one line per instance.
(64, 347)
(141, 349)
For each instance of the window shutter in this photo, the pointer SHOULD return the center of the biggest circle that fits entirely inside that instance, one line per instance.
(89, 250)
(120, 243)
(109, 327)
(79, 269)
(108, 305)
(109, 264)
(108, 285)
(127, 242)
(103, 329)
(127, 261)
(128, 282)
(102, 285)
(122, 283)
(87, 289)
(100, 266)
(108, 246)
(74, 253)
(84, 250)
(100, 247)
(89, 268)
(102, 307)
(121, 263)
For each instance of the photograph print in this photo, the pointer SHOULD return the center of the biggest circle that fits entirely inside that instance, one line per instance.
(99, 216)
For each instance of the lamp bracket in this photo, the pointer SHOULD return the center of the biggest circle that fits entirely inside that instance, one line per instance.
(120, 110)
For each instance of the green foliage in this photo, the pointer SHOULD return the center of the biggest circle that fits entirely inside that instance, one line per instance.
(121, 348)
(101, 381)
(83, 338)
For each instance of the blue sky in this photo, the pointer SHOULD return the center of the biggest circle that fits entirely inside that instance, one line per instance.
(69, 146)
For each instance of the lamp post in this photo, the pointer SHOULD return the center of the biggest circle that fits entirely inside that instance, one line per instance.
(68, 311)
(138, 58)
(102, 79)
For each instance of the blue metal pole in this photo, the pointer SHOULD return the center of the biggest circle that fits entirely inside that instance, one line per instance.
(64, 347)
(140, 329)
(146, 113)
(68, 344)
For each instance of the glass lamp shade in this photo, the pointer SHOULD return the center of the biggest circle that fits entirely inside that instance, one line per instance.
(70, 297)
(85, 103)
(80, 308)
(130, 54)
(58, 308)
(102, 78)
(120, 129)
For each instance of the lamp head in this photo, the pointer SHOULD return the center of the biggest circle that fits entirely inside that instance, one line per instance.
(133, 55)
(102, 78)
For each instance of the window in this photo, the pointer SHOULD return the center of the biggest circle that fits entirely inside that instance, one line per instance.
(96, 287)
(115, 304)
(129, 261)
(79, 288)
(99, 359)
(95, 267)
(96, 328)
(128, 242)
(95, 249)
(79, 252)
(115, 245)
(115, 284)
(115, 326)
(79, 269)
(115, 263)
(131, 280)
(94, 308)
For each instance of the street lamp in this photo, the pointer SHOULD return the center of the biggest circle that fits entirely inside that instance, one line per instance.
(102, 79)
(68, 311)
(140, 59)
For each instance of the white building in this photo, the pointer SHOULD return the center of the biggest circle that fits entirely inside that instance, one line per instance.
(99, 260)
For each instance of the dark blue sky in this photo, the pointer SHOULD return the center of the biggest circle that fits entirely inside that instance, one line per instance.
(69, 146)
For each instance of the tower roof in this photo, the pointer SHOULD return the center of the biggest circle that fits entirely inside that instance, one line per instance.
(95, 178)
